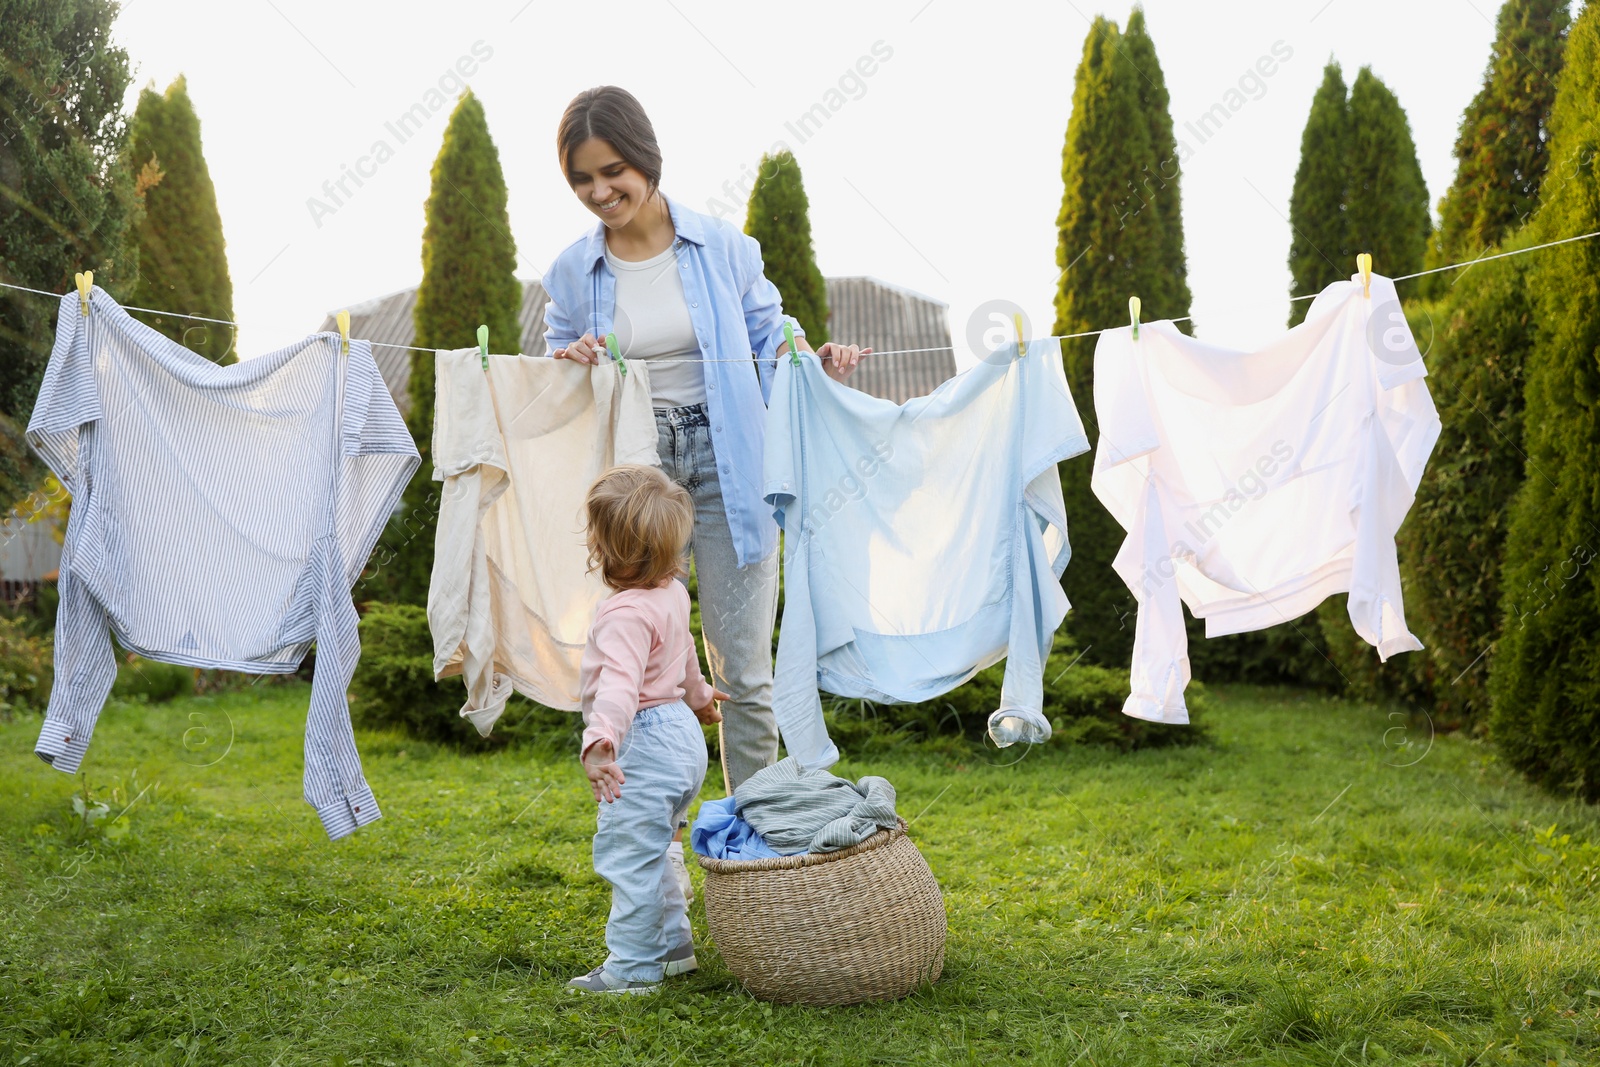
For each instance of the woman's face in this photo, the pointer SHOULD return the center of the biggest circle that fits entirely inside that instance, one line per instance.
(606, 184)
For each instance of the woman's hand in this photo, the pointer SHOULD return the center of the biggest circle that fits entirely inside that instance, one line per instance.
(605, 777)
(709, 714)
(840, 360)
(586, 349)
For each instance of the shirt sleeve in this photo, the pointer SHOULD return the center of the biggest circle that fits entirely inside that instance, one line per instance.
(620, 642)
(763, 312)
(85, 668)
(1147, 563)
(68, 394)
(559, 328)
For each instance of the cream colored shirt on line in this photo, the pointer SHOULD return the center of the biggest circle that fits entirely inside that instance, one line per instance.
(516, 448)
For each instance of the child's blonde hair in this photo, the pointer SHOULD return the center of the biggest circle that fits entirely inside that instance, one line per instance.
(639, 522)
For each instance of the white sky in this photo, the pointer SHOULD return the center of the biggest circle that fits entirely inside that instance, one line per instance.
(942, 175)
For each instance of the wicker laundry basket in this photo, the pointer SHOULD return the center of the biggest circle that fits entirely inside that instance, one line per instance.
(863, 923)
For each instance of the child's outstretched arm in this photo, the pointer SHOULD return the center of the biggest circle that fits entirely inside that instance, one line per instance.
(620, 644)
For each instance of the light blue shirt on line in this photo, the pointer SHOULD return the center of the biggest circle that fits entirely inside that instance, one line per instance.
(736, 313)
(923, 541)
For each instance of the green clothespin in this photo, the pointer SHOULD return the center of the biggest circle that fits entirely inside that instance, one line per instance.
(483, 345)
(788, 335)
(616, 354)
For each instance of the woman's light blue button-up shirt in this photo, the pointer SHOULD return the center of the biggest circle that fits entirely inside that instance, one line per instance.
(736, 312)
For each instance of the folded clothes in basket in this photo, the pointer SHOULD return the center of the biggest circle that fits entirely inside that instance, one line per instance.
(784, 810)
(796, 810)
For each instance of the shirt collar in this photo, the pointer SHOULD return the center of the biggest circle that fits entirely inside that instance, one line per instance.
(686, 225)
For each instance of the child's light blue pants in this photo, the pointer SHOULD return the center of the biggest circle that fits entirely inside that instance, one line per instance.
(663, 763)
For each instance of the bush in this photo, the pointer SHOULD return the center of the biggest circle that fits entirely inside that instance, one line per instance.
(25, 668)
(394, 688)
(1082, 701)
(1544, 681)
(148, 682)
(1452, 545)
(1290, 653)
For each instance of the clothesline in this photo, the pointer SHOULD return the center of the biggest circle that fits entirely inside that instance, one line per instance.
(895, 351)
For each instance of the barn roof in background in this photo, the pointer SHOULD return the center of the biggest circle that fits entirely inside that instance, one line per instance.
(864, 311)
(867, 312)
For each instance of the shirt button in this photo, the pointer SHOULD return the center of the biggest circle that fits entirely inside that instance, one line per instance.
(695, 304)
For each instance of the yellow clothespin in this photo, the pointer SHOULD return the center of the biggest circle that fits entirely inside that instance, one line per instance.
(1133, 314)
(1364, 265)
(85, 282)
(1022, 342)
(343, 319)
(483, 345)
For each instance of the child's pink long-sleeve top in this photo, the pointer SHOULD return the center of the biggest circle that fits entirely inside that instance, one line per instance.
(640, 653)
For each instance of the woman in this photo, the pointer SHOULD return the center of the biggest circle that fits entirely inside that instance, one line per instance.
(686, 292)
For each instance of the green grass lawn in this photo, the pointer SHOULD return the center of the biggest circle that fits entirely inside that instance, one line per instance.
(1320, 885)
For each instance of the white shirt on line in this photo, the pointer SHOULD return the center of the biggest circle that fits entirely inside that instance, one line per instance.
(1255, 484)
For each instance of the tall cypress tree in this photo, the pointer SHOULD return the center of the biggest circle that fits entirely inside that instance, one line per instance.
(1545, 679)
(1452, 545)
(66, 197)
(1358, 188)
(1386, 200)
(1501, 147)
(779, 220)
(1161, 179)
(1319, 242)
(468, 279)
(1112, 244)
(183, 263)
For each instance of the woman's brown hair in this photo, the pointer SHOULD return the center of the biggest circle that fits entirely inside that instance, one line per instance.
(613, 115)
(639, 522)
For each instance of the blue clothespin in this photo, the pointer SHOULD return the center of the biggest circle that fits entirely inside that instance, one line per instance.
(483, 345)
(788, 335)
(616, 354)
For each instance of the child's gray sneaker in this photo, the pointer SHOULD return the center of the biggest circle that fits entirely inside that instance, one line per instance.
(681, 960)
(598, 981)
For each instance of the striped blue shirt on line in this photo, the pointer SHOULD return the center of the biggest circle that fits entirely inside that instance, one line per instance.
(215, 523)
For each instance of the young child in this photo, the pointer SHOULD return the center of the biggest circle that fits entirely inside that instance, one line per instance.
(643, 701)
